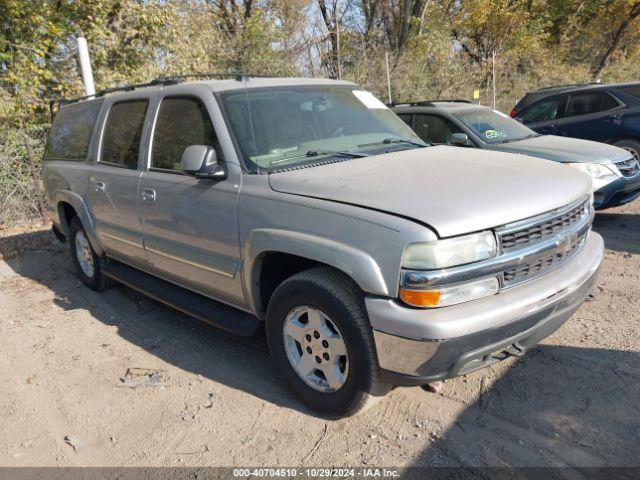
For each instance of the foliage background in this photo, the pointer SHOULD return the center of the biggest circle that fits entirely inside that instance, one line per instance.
(436, 49)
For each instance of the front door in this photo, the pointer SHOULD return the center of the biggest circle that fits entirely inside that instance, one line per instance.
(113, 186)
(190, 225)
(543, 115)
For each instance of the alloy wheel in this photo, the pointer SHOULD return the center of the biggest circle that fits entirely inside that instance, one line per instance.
(316, 349)
(84, 254)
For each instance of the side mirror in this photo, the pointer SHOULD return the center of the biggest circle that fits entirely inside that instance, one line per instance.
(460, 139)
(201, 161)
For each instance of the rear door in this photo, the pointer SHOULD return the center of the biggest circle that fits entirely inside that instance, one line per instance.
(114, 179)
(542, 116)
(190, 225)
(592, 115)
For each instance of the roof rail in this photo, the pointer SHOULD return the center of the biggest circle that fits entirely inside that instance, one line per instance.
(170, 80)
(567, 85)
(427, 103)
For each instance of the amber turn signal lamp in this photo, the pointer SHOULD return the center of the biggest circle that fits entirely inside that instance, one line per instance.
(420, 298)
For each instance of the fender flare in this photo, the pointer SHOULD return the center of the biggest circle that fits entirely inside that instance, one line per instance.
(358, 265)
(82, 210)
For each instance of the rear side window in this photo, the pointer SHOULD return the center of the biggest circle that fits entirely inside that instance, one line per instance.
(181, 122)
(589, 102)
(122, 133)
(542, 111)
(71, 132)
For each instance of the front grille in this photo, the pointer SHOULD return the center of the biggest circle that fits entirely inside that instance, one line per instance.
(538, 266)
(535, 232)
(629, 167)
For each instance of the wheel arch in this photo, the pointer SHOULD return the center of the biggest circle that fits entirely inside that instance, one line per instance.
(275, 255)
(69, 204)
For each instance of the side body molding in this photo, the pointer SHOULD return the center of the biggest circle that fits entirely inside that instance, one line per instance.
(80, 206)
(360, 266)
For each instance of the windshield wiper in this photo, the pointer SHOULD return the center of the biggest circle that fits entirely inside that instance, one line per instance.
(317, 153)
(344, 153)
(388, 141)
(532, 135)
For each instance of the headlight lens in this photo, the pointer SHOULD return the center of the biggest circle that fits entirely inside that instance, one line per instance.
(600, 174)
(450, 295)
(450, 252)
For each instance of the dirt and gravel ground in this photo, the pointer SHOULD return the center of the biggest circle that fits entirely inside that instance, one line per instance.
(217, 402)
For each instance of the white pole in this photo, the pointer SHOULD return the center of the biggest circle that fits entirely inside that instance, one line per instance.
(85, 66)
(386, 59)
(494, 79)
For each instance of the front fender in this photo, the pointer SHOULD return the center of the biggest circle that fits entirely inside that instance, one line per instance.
(357, 264)
(82, 210)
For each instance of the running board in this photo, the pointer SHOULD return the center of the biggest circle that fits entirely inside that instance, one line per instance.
(218, 314)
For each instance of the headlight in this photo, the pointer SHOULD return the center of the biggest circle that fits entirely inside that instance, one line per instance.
(450, 252)
(450, 295)
(600, 174)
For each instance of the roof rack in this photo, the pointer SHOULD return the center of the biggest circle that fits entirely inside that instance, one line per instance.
(427, 103)
(567, 85)
(170, 80)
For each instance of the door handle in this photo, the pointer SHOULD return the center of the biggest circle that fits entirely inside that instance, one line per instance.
(100, 187)
(149, 195)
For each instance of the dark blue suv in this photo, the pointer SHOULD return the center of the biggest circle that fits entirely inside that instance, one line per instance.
(604, 113)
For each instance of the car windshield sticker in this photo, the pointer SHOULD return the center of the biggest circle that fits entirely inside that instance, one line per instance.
(368, 99)
(493, 134)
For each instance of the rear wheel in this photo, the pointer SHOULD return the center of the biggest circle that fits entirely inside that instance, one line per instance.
(631, 146)
(85, 260)
(321, 341)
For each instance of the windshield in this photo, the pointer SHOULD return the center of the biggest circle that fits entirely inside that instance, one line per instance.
(288, 126)
(493, 126)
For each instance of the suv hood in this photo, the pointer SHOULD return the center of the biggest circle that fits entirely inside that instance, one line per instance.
(453, 190)
(563, 149)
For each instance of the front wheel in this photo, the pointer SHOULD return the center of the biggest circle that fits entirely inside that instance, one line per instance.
(321, 341)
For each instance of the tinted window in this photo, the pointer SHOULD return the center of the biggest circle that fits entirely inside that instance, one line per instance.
(589, 102)
(181, 122)
(541, 111)
(71, 132)
(406, 118)
(122, 133)
(435, 129)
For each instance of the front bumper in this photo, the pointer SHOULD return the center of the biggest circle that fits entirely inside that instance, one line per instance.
(618, 192)
(416, 346)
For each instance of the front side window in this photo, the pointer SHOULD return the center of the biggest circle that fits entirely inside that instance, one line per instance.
(589, 102)
(542, 111)
(122, 133)
(181, 122)
(283, 127)
(71, 132)
(492, 126)
(435, 129)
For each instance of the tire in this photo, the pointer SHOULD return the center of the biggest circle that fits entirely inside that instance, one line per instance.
(92, 277)
(631, 146)
(322, 293)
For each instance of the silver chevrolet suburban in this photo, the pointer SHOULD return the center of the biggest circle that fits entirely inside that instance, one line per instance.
(308, 209)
